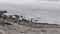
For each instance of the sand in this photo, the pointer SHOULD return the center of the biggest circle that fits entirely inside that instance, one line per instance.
(19, 29)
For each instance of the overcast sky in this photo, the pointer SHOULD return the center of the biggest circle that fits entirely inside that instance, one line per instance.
(32, 2)
(36, 3)
(18, 1)
(44, 3)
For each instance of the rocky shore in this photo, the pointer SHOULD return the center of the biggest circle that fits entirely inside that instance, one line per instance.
(22, 21)
(14, 24)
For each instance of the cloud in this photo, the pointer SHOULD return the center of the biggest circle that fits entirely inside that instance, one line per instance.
(48, 0)
(30, 1)
(18, 1)
(25, 1)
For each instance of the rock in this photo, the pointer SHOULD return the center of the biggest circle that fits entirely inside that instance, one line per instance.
(2, 12)
(16, 16)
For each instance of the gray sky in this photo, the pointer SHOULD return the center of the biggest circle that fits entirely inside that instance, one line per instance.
(18, 1)
(51, 3)
(45, 4)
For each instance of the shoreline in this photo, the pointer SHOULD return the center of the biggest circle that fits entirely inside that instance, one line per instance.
(25, 22)
(14, 25)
